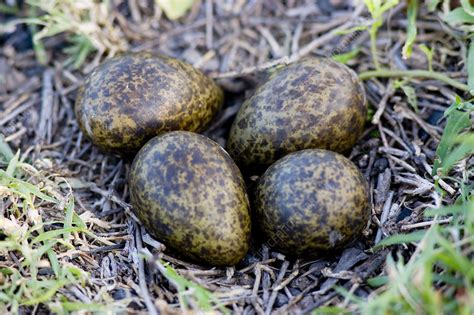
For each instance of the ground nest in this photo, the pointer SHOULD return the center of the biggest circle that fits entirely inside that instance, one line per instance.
(104, 257)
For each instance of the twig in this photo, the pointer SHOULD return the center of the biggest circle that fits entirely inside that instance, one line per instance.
(296, 38)
(276, 49)
(152, 242)
(413, 116)
(290, 278)
(258, 277)
(382, 104)
(383, 185)
(318, 42)
(141, 274)
(296, 299)
(266, 275)
(408, 227)
(385, 213)
(385, 143)
(441, 182)
(402, 163)
(248, 70)
(17, 111)
(274, 294)
(444, 185)
(44, 125)
(421, 185)
(341, 275)
(209, 24)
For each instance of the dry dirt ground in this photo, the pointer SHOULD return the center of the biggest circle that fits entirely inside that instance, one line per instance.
(234, 42)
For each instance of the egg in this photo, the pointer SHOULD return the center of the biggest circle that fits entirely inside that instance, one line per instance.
(127, 100)
(312, 103)
(190, 195)
(311, 201)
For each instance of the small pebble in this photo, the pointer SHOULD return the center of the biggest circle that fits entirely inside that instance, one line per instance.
(379, 166)
(281, 300)
(45, 271)
(294, 291)
(119, 294)
(318, 266)
(404, 212)
(302, 282)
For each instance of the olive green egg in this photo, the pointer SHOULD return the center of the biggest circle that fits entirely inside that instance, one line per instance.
(127, 100)
(189, 194)
(311, 201)
(312, 103)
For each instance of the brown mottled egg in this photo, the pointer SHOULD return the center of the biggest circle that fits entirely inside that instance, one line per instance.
(310, 201)
(129, 99)
(313, 103)
(189, 194)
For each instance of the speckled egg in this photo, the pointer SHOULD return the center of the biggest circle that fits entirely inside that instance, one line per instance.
(129, 99)
(311, 201)
(190, 195)
(313, 103)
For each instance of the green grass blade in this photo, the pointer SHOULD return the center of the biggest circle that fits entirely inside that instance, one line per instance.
(38, 46)
(23, 188)
(53, 260)
(40, 251)
(346, 57)
(55, 233)
(458, 120)
(377, 281)
(5, 149)
(450, 210)
(411, 96)
(429, 55)
(77, 306)
(468, 7)
(174, 9)
(352, 30)
(454, 261)
(68, 217)
(432, 4)
(448, 279)
(470, 66)
(203, 297)
(348, 295)
(330, 310)
(27, 188)
(458, 16)
(411, 28)
(12, 166)
(387, 5)
(401, 239)
(8, 9)
(80, 48)
(465, 148)
(45, 296)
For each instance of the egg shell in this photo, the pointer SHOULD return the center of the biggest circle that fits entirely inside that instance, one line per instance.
(189, 194)
(311, 201)
(129, 99)
(312, 103)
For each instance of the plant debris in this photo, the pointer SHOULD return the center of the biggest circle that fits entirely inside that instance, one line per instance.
(69, 240)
